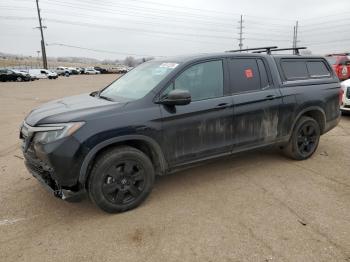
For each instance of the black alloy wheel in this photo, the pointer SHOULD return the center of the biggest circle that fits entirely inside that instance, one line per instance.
(124, 182)
(121, 179)
(307, 138)
(304, 139)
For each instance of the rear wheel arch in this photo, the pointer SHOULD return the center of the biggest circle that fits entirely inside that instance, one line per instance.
(145, 144)
(314, 112)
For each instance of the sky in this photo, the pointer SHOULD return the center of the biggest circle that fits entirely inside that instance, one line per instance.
(114, 29)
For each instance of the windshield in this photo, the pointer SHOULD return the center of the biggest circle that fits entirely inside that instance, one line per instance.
(139, 81)
(332, 60)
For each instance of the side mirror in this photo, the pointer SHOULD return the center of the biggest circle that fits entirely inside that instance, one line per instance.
(177, 97)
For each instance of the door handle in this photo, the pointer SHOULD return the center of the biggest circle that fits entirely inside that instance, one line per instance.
(270, 97)
(222, 106)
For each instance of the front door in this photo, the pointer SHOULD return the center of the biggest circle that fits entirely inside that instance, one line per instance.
(202, 128)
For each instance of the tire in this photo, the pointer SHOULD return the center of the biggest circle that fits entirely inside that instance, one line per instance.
(304, 140)
(121, 179)
(19, 79)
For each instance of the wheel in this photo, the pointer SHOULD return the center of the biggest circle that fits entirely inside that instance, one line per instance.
(19, 79)
(121, 179)
(304, 140)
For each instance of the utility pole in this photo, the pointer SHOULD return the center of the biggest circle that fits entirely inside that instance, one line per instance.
(241, 33)
(293, 45)
(295, 37)
(43, 50)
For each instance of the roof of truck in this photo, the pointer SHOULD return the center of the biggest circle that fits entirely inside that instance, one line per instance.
(187, 58)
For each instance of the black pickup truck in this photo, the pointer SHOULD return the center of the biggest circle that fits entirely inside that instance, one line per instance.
(170, 114)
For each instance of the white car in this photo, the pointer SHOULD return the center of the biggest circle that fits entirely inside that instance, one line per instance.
(63, 71)
(43, 73)
(345, 105)
(91, 71)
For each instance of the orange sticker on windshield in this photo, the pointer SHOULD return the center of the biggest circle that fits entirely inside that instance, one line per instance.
(248, 73)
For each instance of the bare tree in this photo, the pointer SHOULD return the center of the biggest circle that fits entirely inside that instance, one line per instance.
(130, 61)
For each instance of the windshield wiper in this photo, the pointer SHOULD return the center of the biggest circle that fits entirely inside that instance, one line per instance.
(106, 98)
(93, 94)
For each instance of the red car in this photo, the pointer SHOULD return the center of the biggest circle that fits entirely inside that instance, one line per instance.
(341, 65)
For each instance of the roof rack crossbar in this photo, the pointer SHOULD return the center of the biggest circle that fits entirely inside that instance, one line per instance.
(295, 49)
(345, 53)
(266, 49)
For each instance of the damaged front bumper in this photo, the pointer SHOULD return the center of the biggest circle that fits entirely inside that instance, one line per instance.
(44, 174)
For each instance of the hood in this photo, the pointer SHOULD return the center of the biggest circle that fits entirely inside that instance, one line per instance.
(346, 83)
(68, 109)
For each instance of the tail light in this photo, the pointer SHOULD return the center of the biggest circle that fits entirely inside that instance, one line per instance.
(341, 93)
(344, 71)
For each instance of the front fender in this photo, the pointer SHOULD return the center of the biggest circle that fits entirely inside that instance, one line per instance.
(92, 153)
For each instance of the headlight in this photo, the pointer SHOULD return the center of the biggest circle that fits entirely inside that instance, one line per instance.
(53, 132)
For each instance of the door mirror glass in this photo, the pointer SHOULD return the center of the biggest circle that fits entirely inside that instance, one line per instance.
(177, 97)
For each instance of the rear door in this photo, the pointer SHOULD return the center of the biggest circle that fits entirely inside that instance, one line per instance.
(202, 128)
(256, 103)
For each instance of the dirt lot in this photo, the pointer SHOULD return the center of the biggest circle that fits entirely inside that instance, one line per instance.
(257, 206)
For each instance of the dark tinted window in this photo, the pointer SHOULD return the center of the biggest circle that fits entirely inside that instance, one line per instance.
(263, 74)
(294, 70)
(317, 69)
(244, 75)
(203, 81)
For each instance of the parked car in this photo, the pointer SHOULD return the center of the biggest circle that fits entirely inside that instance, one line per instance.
(81, 70)
(170, 114)
(345, 103)
(74, 71)
(101, 70)
(120, 69)
(43, 73)
(341, 65)
(13, 75)
(32, 76)
(63, 71)
(91, 71)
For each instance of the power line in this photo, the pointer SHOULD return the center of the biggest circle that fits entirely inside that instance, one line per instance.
(133, 13)
(99, 50)
(121, 28)
(74, 14)
(173, 37)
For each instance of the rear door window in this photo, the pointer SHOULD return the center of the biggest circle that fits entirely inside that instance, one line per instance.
(317, 69)
(244, 75)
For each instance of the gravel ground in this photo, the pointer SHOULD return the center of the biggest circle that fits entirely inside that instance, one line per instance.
(256, 206)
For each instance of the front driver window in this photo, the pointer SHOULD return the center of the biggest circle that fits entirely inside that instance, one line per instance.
(203, 81)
